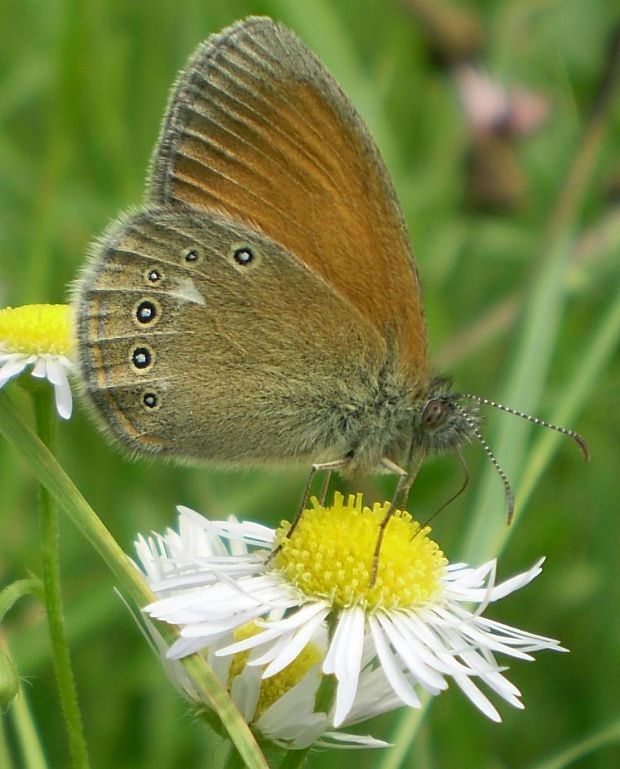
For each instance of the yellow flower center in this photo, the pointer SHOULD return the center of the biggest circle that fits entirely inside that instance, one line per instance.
(330, 556)
(36, 329)
(271, 689)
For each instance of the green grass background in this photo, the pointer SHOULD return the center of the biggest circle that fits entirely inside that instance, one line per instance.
(513, 312)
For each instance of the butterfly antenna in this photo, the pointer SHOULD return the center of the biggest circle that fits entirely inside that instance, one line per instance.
(508, 493)
(579, 440)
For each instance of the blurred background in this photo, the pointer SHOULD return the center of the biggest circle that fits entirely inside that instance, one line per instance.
(500, 123)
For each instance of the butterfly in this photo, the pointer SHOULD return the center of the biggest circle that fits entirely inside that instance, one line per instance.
(263, 306)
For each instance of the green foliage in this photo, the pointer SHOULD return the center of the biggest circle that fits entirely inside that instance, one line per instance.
(522, 304)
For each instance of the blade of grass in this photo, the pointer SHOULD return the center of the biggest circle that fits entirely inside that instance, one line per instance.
(594, 360)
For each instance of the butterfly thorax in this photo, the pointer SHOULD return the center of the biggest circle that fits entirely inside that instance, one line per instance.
(405, 422)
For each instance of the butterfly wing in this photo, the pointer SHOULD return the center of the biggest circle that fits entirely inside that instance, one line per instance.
(199, 337)
(257, 129)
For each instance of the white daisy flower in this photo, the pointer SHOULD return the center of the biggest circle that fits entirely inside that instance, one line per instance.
(283, 708)
(38, 335)
(419, 626)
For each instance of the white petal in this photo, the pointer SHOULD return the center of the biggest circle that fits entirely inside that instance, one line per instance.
(220, 600)
(343, 740)
(344, 659)
(477, 697)
(208, 629)
(405, 649)
(276, 629)
(504, 688)
(261, 657)
(297, 643)
(517, 582)
(248, 531)
(300, 734)
(300, 617)
(298, 700)
(374, 697)
(250, 643)
(516, 636)
(183, 647)
(219, 665)
(441, 656)
(63, 396)
(12, 367)
(244, 692)
(54, 372)
(391, 668)
(40, 368)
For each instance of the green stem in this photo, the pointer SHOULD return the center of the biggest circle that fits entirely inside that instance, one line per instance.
(51, 475)
(50, 556)
(5, 757)
(11, 594)
(26, 732)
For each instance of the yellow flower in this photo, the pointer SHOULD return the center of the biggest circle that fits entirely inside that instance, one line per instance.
(38, 335)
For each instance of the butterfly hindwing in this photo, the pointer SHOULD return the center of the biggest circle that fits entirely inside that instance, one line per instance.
(193, 341)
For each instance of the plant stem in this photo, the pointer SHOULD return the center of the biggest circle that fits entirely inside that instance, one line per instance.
(50, 557)
(26, 734)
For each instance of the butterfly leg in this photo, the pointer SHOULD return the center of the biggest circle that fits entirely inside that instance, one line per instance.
(325, 486)
(401, 492)
(316, 467)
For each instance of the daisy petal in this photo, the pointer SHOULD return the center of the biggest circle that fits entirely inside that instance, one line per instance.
(392, 669)
(344, 659)
(11, 367)
(474, 694)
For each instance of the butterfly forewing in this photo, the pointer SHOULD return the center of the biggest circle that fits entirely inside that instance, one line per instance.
(258, 129)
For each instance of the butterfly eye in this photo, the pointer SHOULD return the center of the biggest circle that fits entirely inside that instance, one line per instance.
(434, 414)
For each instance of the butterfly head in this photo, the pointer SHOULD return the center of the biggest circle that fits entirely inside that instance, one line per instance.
(442, 423)
(446, 420)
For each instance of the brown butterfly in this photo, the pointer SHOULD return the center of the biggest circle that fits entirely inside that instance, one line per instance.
(263, 306)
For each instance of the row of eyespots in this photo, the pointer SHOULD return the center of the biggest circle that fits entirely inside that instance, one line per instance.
(142, 359)
(147, 312)
(242, 255)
